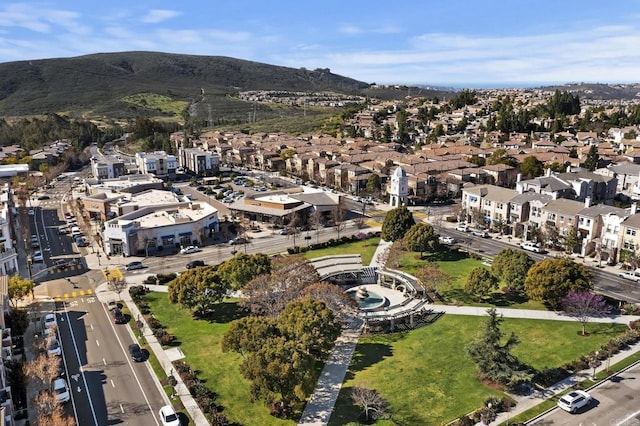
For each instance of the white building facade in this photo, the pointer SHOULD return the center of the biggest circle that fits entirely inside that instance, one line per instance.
(157, 163)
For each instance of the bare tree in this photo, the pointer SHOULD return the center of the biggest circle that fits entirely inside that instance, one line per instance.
(316, 222)
(432, 277)
(373, 405)
(339, 215)
(293, 220)
(44, 368)
(117, 285)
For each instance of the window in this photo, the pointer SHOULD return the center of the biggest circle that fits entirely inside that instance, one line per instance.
(631, 232)
(499, 206)
(552, 216)
(487, 203)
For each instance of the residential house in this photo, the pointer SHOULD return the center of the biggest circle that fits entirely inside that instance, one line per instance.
(598, 228)
(487, 205)
(558, 217)
(629, 236)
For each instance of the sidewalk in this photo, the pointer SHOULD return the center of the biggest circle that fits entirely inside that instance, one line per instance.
(181, 389)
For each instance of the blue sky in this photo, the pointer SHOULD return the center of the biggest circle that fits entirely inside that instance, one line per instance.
(466, 43)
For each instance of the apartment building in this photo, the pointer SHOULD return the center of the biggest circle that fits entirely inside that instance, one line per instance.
(107, 168)
(7, 409)
(8, 253)
(199, 161)
(487, 205)
(157, 163)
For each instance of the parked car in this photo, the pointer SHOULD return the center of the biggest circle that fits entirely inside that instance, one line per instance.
(37, 256)
(237, 240)
(132, 266)
(44, 197)
(60, 263)
(481, 234)
(81, 241)
(168, 416)
(75, 231)
(630, 275)
(447, 240)
(35, 243)
(194, 264)
(530, 246)
(53, 347)
(50, 320)
(573, 401)
(284, 231)
(31, 212)
(462, 227)
(136, 353)
(61, 390)
(118, 316)
(190, 249)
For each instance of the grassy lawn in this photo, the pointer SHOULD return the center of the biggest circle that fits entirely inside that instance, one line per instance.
(200, 342)
(163, 104)
(427, 377)
(366, 249)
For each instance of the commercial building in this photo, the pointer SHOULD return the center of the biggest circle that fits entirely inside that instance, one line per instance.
(7, 410)
(199, 161)
(107, 167)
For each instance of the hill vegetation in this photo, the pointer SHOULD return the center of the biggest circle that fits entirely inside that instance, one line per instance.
(113, 84)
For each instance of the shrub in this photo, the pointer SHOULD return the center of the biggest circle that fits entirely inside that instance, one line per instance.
(630, 309)
(465, 421)
(151, 279)
(304, 249)
(290, 250)
(551, 376)
(165, 278)
(218, 419)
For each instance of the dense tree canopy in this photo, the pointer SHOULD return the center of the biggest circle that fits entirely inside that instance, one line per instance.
(550, 280)
(531, 167)
(396, 223)
(198, 289)
(242, 268)
(480, 282)
(280, 355)
(511, 266)
(421, 237)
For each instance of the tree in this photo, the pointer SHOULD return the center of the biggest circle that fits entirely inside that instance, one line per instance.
(501, 156)
(339, 302)
(311, 324)
(480, 282)
(582, 305)
(531, 167)
(44, 368)
(550, 280)
(117, 285)
(246, 335)
(396, 223)
(591, 162)
(374, 184)
(19, 288)
(432, 277)
(572, 240)
(421, 237)
(494, 358)
(269, 293)
(242, 268)
(339, 214)
(511, 266)
(198, 289)
(373, 405)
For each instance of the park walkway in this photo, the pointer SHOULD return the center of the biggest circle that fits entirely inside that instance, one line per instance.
(320, 406)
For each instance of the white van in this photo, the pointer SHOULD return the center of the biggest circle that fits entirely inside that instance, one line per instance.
(75, 231)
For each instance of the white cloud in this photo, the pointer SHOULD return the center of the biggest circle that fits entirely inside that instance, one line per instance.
(155, 16)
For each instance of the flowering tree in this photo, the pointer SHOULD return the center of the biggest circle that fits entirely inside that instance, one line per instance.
(582, 305)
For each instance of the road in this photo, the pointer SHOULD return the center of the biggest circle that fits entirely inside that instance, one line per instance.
(107, 386)
(605, 282)
(614, 403)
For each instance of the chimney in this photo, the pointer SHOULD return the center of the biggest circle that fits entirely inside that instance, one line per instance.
(634, 208)
(548, 172)
(518, 177)
(568, 168)
(587, 202)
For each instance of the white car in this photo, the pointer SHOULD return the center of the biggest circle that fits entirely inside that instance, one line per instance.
(190, 249)
(168, 416)
(31, 212)
(529, 246)
(50, 320)
(573, 401)
(462, 227)
(447, 240)
(630, 275)
(37, 256)
(53, 347)
(61, 390)
(481, 234)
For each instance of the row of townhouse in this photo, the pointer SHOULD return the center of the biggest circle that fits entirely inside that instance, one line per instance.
(610, 232)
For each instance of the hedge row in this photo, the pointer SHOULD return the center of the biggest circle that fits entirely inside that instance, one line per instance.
(333, 242)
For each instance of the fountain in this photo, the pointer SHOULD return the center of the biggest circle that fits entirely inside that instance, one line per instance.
(367, 300)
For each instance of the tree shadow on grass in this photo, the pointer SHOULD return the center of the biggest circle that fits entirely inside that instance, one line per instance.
(366, 355)
(451, 255)
(506, 299)
(224, 312)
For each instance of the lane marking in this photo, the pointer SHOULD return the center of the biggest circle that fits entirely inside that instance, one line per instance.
(97, 342)
(104, 361)
(84, 379)
(113, 385)
(75, 377)
(122, 408)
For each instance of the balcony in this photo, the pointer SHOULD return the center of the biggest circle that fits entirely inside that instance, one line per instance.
(7, 253)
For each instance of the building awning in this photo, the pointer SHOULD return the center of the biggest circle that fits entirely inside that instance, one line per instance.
(167, 237)
(212, 225)
(185, 234)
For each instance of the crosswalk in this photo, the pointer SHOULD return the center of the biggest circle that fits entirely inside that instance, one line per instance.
(73, 295)
(112, 273)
